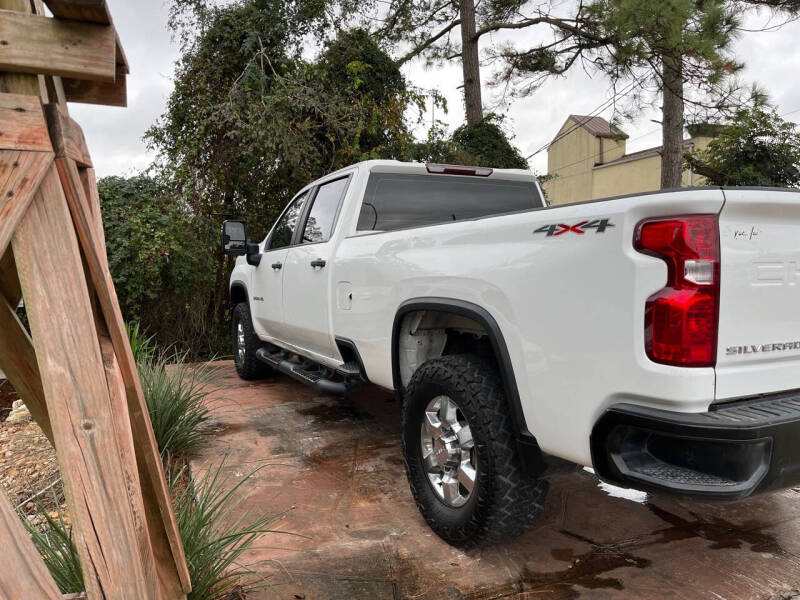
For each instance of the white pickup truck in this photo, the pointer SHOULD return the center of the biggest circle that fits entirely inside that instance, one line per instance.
(653, 337)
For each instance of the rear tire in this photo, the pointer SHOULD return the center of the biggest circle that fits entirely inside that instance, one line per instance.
(503, 500)
(246, 344)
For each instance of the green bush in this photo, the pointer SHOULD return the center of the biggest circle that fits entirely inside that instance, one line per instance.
(162, 261)
(176, 395)
(212, 538)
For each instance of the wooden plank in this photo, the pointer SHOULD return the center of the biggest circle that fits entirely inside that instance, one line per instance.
(98, 92)
(20, 176)
(92, 11)
(25, 574)
(66, 136)
(150, 530)
(41, 45)
(89, 443)
(116, 389)
(18, 362)
(89, 181)
(22, 123)
(146, 444)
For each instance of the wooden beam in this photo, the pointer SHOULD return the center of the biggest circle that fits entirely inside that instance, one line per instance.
(89, 442)
(91, 11)
(67, 136)
(20, 176)
(22, 123)
(98, 92)
(18, 362)
(41, 45)
(26, 575)
(147, 447)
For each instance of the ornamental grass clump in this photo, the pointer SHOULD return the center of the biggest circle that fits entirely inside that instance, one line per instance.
(176, 396)
(213, 537)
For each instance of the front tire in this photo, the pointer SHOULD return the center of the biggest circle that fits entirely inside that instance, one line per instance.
(460, 454)
(246, 344)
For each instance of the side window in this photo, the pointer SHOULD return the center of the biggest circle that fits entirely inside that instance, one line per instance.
(282, 235)
(322, 217)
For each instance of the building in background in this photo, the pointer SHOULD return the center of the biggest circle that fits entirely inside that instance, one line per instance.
(587, 159)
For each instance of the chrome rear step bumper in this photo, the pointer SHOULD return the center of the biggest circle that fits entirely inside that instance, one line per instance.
(732, 451)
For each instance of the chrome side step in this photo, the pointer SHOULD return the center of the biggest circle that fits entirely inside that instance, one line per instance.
(309, 372)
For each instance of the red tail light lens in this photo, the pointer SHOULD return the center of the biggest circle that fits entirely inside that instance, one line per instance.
(682, 319)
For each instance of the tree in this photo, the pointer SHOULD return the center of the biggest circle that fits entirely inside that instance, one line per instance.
(680, 50)
(757, 148)
(427, 26)
(250, 121)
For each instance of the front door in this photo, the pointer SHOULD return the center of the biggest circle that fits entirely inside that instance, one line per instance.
(267, 282)
(306, 283)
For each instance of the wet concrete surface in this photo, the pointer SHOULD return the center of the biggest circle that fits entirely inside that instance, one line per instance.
(332, 469)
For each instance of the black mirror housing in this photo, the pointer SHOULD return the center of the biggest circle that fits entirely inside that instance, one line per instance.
(234, 238)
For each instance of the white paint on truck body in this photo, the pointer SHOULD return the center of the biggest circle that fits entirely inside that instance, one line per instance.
(570, 307)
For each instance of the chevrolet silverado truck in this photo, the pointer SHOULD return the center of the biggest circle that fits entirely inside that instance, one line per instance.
(654, 337)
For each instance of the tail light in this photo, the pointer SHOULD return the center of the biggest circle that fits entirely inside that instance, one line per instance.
(682, 319)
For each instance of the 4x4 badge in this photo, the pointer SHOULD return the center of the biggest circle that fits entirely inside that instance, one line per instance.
(599, 225)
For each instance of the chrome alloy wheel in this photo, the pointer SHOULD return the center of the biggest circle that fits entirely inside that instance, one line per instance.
(448, 451)
(240, 343)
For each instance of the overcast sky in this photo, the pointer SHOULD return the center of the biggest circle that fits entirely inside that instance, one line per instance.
(114, 135)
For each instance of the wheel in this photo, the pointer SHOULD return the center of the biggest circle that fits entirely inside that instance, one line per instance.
(246, 344)
(460, 454)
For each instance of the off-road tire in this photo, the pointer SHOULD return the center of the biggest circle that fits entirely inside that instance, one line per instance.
(250, 367)
(506, 500)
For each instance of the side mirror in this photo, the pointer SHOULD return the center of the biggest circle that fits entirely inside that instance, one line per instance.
(234, 238)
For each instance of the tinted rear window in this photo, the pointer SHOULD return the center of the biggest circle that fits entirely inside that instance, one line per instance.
(396, 201)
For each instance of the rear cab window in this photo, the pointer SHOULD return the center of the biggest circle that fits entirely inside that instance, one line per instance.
(395, 201)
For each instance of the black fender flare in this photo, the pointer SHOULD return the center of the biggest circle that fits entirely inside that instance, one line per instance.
(238, 285)
(528, 447)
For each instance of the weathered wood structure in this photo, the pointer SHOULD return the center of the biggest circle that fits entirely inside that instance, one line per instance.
(75, 370)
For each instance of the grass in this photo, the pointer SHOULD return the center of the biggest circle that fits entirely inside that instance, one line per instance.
(175, 395)
(212, 538)
(53, 539)
(142, 345)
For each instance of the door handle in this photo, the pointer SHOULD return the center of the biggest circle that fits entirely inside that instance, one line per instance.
(277, 266)
(319, 263)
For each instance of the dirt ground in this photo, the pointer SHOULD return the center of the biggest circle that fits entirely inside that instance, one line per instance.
(333, 469)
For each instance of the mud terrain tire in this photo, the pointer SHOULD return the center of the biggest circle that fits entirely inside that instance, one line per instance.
(504, 501)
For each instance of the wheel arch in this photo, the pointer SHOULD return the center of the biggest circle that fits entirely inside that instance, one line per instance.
(238, 293)
(528, 447)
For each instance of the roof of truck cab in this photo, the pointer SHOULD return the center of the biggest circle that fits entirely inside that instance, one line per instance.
(396, 166)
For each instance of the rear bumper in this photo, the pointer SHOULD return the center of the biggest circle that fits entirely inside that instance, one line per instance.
(733, 451)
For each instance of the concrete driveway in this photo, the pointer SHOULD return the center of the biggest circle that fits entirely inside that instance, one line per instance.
(334, 468)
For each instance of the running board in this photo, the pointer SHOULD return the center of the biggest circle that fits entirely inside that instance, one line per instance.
(309, 372)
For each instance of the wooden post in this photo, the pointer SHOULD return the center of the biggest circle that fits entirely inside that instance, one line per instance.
(75, 371)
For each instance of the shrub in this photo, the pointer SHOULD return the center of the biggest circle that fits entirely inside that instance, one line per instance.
(212, 538)
(175, 396)
(162, 260)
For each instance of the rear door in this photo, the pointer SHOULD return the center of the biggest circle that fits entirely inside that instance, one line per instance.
(267, 282)
(306, 284)
(759, 326)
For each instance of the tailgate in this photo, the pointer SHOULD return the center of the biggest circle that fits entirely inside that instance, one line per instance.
(759, 320)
